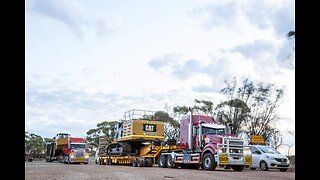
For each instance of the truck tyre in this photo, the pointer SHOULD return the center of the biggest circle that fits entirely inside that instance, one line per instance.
(238, 168)
(134, 163)
(162, 161)
(208, 162)
(149, 162)
(264, 166)
(169, 162)
(283, 169)
(141, 162)
(109, 161)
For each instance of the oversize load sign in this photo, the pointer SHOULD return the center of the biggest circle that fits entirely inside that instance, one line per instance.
(150, 127)
(257, 139)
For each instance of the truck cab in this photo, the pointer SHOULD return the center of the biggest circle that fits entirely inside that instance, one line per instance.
(206, 143)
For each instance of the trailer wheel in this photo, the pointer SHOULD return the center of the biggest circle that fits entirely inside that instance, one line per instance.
(209, 162)
(134, 163)
(170, 163)
(141, 162)
(109, 161)
(238, 168)
(162, 161)
(149, 162)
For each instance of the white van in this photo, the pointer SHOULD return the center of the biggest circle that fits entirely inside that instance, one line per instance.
(266, 157)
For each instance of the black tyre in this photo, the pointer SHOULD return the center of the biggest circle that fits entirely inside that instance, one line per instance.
(208, 162)
(238, 168)
(264, 166)
(162, 161)
(169, 162)
(252, 168)
(149, 162)
(141, 162)
(134, 163)
(283, 169)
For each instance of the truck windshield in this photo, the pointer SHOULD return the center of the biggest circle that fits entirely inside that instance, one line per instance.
(206, 130)
(74, 146)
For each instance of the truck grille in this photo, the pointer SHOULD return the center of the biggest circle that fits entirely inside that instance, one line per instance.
(79, 152)
(281, 159)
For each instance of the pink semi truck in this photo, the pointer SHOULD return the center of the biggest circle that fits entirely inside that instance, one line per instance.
(207, 144)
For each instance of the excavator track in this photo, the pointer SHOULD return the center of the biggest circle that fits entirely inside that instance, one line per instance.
(119, 149)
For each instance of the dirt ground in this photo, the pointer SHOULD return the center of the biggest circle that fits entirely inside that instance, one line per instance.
(54, 170)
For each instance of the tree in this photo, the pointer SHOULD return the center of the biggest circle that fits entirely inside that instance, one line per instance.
(171, 127)
(235, 110)
(105, 130)
(251, 108)
(201, 107)
(276, 140)
(34, 146)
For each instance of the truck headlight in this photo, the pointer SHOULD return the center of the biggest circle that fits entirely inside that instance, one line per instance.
(72, 156)
(86, 156)
(247, 151)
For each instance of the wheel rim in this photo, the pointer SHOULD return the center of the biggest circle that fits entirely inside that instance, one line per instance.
(169, 162)
(162, 161)
(263, 166)
(207, 162)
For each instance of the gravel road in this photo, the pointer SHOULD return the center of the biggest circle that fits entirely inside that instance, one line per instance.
(43, 170)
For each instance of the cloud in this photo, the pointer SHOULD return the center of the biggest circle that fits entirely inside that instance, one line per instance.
(278, 15)
(215, 15)
(204, 88)
(73, 14)
(255, 49)
(164, 62)
(64, 11)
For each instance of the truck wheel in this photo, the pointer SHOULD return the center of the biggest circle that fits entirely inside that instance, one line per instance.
(209, 162)
(283, 169)
(162, 161)
(238, 168)
(264, 166)
(141, 162)
(149, 162)
(252, 168)
(134, 163)
(169, 162)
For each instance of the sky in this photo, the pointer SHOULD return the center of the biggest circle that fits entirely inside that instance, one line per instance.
(91, 61)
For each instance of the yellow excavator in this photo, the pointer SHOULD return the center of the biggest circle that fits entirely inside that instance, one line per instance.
(139, 140)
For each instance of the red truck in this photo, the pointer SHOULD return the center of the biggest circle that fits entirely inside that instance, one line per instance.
(67, 149)
(207, 144)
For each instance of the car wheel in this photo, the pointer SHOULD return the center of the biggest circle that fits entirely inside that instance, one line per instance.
(252, 168)
(283, 169)
(264, 166)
